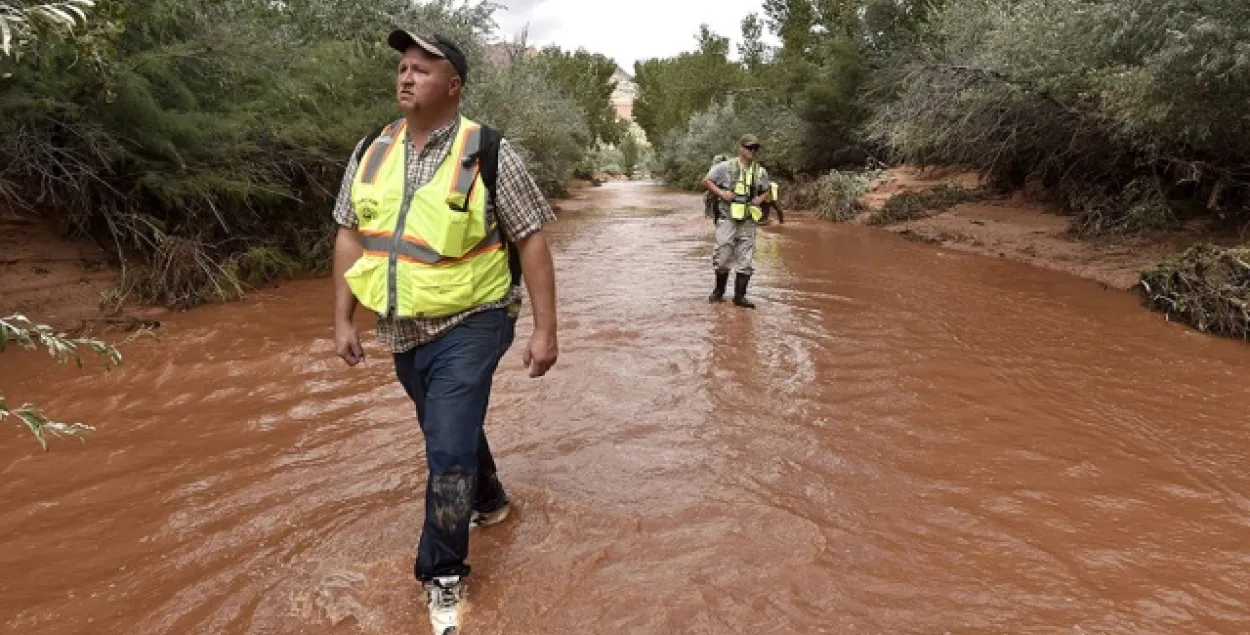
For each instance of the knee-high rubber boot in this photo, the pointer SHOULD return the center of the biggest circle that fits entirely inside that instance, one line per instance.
(718, 293)
(740, 291)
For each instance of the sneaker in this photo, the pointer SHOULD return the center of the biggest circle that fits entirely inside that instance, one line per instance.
(446, 596)
(487, 518)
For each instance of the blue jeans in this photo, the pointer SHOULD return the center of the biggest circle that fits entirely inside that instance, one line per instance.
(449, 380)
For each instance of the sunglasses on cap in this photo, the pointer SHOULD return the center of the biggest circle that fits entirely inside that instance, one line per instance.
(751, 146)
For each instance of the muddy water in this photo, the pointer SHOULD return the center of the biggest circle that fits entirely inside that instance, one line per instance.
(900, 440)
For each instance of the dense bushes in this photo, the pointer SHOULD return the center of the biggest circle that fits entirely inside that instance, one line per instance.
(1141, 128)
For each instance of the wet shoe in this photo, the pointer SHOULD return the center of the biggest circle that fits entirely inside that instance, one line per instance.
(718, 292)
(446, 595)
(487, 518)
(740, 292)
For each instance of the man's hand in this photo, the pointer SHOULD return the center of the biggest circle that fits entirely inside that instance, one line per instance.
(347, 249)
(711, 186)
(541, 353)
(759, 200)
(540, 277)
(347, 343)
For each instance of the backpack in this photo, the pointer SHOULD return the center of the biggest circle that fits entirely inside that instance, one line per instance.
(488, 162)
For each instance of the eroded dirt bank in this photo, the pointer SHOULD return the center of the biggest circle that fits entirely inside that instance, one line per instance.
(1021, 228)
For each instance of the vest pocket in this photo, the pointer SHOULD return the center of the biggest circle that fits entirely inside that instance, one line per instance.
(426, 291)
(367, 280)
(456, 233)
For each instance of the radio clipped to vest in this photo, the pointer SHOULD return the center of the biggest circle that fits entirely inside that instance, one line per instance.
(468, 172)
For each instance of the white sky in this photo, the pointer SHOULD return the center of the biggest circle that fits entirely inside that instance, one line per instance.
(625, 31)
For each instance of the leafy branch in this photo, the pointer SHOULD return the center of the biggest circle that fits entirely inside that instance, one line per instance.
(17, 329)
(19, 19)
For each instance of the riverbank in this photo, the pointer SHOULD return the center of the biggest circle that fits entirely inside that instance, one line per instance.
(1024, 228)
(52, 279)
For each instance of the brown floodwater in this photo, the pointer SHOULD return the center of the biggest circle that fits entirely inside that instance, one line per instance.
(900, 440)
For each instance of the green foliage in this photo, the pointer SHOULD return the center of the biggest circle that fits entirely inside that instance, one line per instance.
(684, 160)
(587, 78)
(752, 50)
(18, 330)
(547, 128)
(1140, 206)
(603, 160)
(831, 108)
(1149, 113)
(835, 195)
(805, 97)
(1132, 113)
(671, 90)
(40, 425)
(899, 208)
(633, 152)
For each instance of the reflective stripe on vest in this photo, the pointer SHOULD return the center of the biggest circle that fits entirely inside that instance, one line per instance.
(432, 251)
(380, 150)
(458, 198)
(417, 250)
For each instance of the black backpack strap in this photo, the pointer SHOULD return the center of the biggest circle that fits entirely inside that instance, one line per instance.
(368, 141)
(489, 159)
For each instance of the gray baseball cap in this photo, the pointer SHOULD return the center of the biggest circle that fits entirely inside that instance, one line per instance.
(434, 44)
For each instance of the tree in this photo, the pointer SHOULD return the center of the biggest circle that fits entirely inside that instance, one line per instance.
(792, 21)
(671, 90)
(1146, 123)
(587, 79)
(751, 50)
(546, 126)
(631, 153)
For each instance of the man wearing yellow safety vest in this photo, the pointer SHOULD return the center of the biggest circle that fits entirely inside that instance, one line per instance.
(437, 219)
(742, 186)
(773, 204)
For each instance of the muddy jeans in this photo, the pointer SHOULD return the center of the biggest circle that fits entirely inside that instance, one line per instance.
(449, 380)
(735, 245)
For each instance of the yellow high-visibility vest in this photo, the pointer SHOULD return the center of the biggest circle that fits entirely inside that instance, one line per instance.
(744, 188)
(434, 252)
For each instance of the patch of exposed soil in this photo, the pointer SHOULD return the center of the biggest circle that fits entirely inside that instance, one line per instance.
(1024, 229)
(61, 282)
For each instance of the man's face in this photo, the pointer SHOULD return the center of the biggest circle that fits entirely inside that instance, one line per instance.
(425, 82)
(748, 152)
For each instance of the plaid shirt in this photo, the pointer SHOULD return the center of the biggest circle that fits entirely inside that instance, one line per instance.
(521, 209)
